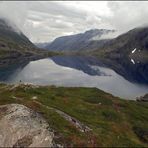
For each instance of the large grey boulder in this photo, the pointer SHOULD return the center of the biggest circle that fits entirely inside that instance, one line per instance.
(22, 127)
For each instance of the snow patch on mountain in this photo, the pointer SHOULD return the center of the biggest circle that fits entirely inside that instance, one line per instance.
(132, 61)
(133, 51)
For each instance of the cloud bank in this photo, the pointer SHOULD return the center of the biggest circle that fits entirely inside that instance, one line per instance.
(43, 21)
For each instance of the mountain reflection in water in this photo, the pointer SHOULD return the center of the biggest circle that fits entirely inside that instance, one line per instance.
(74, 71)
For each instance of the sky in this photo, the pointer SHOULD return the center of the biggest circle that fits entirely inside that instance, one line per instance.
(43, 21)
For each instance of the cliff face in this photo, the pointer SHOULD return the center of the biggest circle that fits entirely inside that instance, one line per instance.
(22, 127)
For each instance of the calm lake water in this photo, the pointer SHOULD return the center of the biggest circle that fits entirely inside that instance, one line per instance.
(74, 71)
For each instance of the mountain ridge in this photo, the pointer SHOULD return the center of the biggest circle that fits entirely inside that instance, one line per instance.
(135, 38)
(78, 42)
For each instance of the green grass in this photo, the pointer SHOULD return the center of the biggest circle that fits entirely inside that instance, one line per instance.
(114, 122)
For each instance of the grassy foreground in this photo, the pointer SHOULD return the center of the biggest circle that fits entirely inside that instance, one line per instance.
(114, 122)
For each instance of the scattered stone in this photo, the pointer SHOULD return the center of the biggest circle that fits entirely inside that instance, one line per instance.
(34, 97)
(24, 86)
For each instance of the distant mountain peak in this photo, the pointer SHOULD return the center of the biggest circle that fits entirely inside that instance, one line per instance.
(81, 41)
(100, 30)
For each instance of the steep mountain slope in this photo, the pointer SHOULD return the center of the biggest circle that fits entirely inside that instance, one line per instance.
(15, 46)
(80, 42)
(133, 42)
(13, 34)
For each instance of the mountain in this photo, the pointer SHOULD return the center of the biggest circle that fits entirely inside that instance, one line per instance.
(79, 42)
(127, 54)
(13, 34)
(15, 46)
(131, 43)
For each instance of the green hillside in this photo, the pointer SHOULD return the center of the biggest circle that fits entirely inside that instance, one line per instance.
(110, 121)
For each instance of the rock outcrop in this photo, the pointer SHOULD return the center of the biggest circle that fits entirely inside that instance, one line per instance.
(22, 127)
(143, 98)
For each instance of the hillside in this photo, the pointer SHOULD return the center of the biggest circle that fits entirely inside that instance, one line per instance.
(133, 43)
(127, 54)
(88, 40)
(15, 47)
(13, 34)
(83, 117)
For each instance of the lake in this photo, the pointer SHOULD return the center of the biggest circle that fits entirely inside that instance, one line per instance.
(75, 72)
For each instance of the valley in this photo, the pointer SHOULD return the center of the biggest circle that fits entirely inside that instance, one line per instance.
(79, 90)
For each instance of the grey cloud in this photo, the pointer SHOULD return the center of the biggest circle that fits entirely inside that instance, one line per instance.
(56, 8)
(14, 11)
(44, 21)
(52, 17)
(128, 15)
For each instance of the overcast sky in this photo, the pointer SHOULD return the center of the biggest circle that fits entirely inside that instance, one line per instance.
(43, 21)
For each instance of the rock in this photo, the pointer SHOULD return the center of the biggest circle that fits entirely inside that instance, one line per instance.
(34, 97)
(22, 127)
(143, 98)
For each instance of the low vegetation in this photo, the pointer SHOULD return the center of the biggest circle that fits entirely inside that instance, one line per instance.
(113, 121)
